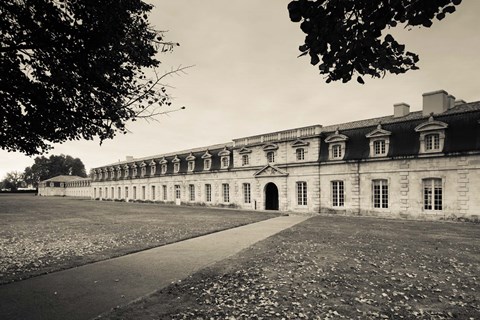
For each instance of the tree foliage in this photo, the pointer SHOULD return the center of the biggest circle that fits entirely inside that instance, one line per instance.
(345, 38)
(75, 69)
(46, 168)
(12, 181)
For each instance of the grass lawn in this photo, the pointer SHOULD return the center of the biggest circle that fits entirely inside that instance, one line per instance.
(332, 267)
(45, 234)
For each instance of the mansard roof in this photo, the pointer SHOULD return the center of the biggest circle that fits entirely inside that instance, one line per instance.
(462, 135)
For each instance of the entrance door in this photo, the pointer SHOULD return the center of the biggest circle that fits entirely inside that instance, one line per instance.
(271, 196)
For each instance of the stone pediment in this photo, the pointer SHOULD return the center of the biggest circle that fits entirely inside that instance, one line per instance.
(378, 132)
(270, 171)
(270, 147)
(431, 124)
(336, 137)
(299, 143)
(245, 150)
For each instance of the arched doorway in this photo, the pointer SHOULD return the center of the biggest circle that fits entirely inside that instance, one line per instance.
(271, 196)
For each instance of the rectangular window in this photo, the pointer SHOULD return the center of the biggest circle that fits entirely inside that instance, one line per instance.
(164, 168)
(153, 192)
(336, 151)
(176, 167)
(153, 169)
(113, 192)
(106, 193)
(206, 164)
(432, 194)
(191, 165)
(126, 192)
(191, 189)
(300, 154)
(225, 162)
(177, 191)
(226, 192)
(143, 193)
(119, 193)
(302, 193)
(379, 147)
(338, 195)
(432, 142)
(94, 192)
(164, 191)
(208, 193)
(380, 193)
(245, 160)
(271, 156)
(246, 193)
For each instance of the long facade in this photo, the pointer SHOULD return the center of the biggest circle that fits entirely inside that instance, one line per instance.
(411, 164)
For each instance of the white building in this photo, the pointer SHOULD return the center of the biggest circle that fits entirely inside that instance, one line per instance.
(411, 164)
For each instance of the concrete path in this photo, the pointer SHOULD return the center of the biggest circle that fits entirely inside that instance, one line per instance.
(87, 291)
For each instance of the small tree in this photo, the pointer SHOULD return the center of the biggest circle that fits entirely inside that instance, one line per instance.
(345, 38)
(13, 180)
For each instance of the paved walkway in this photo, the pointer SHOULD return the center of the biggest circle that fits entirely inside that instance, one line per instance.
(87, 291)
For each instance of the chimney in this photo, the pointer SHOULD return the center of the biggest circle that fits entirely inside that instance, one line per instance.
(400, 110)
(451, 101)
(435, 102)
(129, 158)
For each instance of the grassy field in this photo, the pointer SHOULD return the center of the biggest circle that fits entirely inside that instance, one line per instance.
(334, 268)
(44, 234)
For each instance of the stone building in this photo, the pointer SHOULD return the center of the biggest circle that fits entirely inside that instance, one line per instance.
(70, 186)
(410, 164)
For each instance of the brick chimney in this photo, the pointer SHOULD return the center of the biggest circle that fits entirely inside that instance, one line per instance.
(435, 102)
(400, 110)
(451, 101)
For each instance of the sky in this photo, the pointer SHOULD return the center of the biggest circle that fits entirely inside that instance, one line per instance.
(246, 79)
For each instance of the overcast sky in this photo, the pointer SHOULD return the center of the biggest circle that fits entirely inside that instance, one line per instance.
(248, 80)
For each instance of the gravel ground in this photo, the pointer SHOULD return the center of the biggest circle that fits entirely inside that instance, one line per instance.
(40, 235)
(334, 268)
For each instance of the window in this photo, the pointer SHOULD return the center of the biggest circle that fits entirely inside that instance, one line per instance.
(113, 193)
(246, 193)
(106, 192)
(338, 194)
(94, 192)
(126, 171)
(164, 191)
(432, 135)
(337, 151)
(177, 191)
(225, 162)
(134, 173)
(300, 152)
(208, 193)
(191, 165)
(153, 192)
(153, 169)
(226, 192)
(52, 184)
(164, 168)
(432, 194)
(302, 193)
(134, 192)
(432, 142)
(380, 194)
(207, 164)
(191, 188)
(100, 193)
(245, 160)
(126, 193)
(270, 156)
(144, 171)
(379, 147)
(176, 167)
(119, 191)
(119, 172)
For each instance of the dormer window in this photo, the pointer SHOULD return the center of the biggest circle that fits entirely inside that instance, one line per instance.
(207, 160)
(163, 165)
(224, 158)
(300, 154)
(191, 162)
(176, 164)
(143, 170)
(164, 168)
(379, 142)
(126, 172)
(336, 145)
(270, 156)
(245, 160)
(134, 171)
(432, 135)
(153, 168)
(119, 172)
